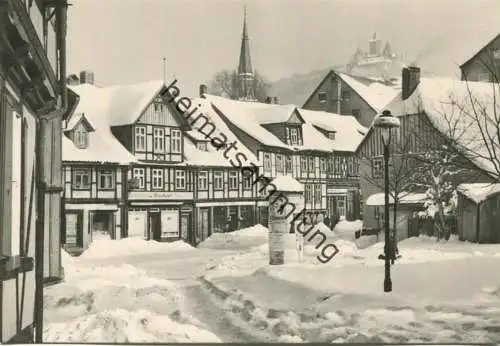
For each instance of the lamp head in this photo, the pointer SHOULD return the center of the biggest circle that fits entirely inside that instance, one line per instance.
(385, 122)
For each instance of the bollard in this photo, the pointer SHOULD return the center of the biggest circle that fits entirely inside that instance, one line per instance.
(277, 230)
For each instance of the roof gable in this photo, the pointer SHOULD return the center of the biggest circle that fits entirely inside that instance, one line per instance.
(481, 49)
(77, 120)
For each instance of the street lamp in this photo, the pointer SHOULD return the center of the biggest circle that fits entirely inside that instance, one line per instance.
(386, 122)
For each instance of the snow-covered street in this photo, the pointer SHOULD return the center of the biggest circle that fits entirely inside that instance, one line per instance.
(225, 291)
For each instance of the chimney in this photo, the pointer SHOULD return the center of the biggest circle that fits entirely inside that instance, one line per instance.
(275, 99)
(87, 77)
(72, 79)
(411, 78)
(203, 89)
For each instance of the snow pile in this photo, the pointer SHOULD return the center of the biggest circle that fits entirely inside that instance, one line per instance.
(346, 229)
(121, 326)
(104, 247)
(115, 304)
(245, 238)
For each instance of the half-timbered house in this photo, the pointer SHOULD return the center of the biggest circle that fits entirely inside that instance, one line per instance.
(94, 173)
(292, 142)
(136, 168)
(33, 102)
(433, 112)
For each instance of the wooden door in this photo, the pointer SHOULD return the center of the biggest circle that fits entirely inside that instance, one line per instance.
(154, 226)
(137, 224)
(204, 223)
(185, 228)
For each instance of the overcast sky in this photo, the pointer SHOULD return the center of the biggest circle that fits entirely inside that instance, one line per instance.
(123, 41)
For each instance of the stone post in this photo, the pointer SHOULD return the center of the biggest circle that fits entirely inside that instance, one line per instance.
(277, 230)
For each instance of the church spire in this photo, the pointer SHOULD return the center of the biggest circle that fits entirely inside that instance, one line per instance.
(245, 65)
(245, 72)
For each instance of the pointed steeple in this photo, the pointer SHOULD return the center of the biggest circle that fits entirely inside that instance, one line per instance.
(245, 75)
(245, 65)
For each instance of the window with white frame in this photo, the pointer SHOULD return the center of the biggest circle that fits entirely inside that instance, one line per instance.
(218, 180)
(311, 165)
(180, 180)
(377, 167)
(287, 134)
(233, 180)
(322, 164)
(81, 137)
(317, 193)
(294, 136)
(138, 174)
(331, 165)
(81, 178)
(289, 165)
(158, 139)
(176, 139)
(158, 106)
(106, 179)
(157, 178)
(280, 167)
(140, 138)
(307, 193)
(303, 164)
(203, 180)
(267, 162)
(247, 182)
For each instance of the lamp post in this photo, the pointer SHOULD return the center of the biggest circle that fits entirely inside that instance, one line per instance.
(386, 122)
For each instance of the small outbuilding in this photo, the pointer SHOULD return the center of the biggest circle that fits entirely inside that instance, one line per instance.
(479, 212)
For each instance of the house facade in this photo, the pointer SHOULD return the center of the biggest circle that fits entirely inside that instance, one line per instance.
(484, 65)
(344, 94)
(428, 121)
(158, 180)
(300, 143)
(34, 101)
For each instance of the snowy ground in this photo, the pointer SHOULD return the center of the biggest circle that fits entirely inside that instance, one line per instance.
(133, 291)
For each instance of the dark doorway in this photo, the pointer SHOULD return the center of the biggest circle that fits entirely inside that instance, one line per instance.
(154, 225)
(102, 224)
(233, 218)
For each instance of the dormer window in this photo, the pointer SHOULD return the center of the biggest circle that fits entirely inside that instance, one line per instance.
(331, 135)
(202, 146)
(81, 138)
(295, 136)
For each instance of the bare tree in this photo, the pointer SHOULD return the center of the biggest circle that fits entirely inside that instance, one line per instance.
(225, 83)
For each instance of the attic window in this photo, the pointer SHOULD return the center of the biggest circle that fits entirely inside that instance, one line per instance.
(496, 54)
(346, 95)
(158, 107)
(331, 135)
(202, 146)
(322, 96)
(81, 138)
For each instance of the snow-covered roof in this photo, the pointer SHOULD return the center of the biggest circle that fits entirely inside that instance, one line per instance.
(103, 145)
(128, 102)
(221, 131)
(348, 131)
(478, 192)
(478, 44)
(451, 106)
(75, 119)
(378, 199)
(247, 116)
(287, 183)
(377, 95)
